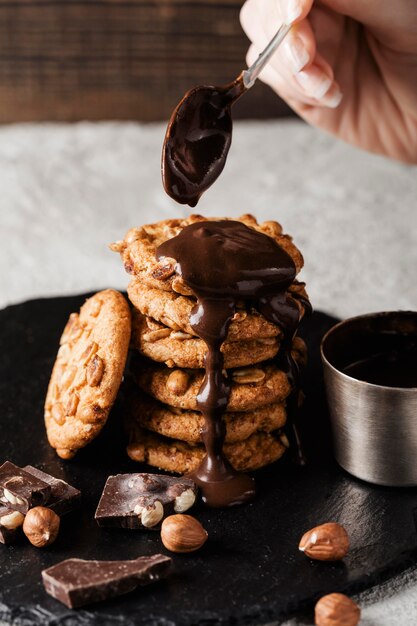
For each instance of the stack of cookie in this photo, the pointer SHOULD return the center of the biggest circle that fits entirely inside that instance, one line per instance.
(162, 417)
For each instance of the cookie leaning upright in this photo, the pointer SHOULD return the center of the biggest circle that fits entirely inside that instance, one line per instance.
(88, 371)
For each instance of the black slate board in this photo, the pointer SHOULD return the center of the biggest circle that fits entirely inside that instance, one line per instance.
(250, 571)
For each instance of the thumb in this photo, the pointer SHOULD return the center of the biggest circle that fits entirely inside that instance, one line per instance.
(294, 10)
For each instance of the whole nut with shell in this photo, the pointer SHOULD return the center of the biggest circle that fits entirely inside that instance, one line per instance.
(182, 533)
(41, 526)
(336, 609)
(328, 542)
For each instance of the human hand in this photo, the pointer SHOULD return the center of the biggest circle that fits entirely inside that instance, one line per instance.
(347, 66)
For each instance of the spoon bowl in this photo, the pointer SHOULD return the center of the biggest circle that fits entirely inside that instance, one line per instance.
(199, 132)
(198, 139)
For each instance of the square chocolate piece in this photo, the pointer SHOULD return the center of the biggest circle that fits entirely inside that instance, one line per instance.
(143, 500)
(21, 491)
(64, 498)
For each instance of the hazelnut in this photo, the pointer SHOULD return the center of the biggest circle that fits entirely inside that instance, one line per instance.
(182, 533)
(41, 526)
(65, 454)
(336, 609)
(328, 542)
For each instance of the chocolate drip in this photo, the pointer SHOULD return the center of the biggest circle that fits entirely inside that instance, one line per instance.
(224, 262)
(197, 140)
(282, 310)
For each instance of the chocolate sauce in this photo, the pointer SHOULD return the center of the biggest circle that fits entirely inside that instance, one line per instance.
(197, 140)
(393, 368)
(224, 262)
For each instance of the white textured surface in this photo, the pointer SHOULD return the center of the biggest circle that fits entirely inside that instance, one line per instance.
(67, 191)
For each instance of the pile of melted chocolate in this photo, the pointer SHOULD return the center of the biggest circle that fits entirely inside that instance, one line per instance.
(225, 262)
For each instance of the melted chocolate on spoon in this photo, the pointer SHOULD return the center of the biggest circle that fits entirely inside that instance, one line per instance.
(197, 140)
(224, 262)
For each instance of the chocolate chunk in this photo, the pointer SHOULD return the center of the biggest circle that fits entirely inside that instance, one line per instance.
(8, 534)
(21, 491)
(76, 582)
(64, 498)
(143, 500)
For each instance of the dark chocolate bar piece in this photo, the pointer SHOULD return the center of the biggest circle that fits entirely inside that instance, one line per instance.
(10, 525)
(143, 500)
(64, 498)
(76, 582)
(21, 491)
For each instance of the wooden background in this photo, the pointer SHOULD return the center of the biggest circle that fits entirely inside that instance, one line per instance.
(111, 59)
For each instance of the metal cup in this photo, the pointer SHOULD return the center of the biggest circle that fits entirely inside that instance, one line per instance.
(374, 427)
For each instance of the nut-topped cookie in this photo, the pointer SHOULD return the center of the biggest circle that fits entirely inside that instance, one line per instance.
(176, 348)
(187, 425)
(252, 387)
(173, 455)
(174, 311)
(88, 371)
(138, 249)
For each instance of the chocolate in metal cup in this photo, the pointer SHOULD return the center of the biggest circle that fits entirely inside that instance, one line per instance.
(374, 426)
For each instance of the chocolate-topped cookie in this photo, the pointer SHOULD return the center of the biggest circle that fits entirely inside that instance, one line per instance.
(138, 249)
(87, 372)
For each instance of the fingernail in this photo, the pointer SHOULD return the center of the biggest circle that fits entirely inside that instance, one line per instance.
(295, 53)
(316, 84)
(334, 100)
(292, 11)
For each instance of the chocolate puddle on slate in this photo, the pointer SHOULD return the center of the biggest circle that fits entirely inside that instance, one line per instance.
(235, 263)
(198, 139)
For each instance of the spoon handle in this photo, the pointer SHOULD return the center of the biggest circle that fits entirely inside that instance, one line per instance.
(251, 74)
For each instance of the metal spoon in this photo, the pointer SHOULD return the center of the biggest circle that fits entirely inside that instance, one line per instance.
(251, 74)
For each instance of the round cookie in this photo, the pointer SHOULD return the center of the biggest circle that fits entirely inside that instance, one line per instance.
(88, 371)
(174, 311)
(162, 344)
(252, 387)
(176, 456)
(138, 249)
(186, 425)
